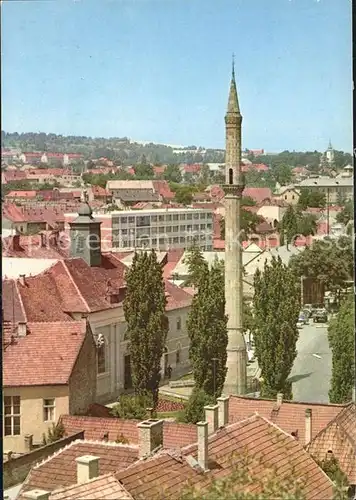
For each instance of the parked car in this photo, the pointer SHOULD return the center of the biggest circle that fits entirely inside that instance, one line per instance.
(300, 324)
(320, 316)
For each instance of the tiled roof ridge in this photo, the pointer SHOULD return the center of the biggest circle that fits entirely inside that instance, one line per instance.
(75, 485)
(75, 285)
(84, 441)
(56, 453)
(185, 449)
(276, 427)
(102, 418)
(340, 405)
(20, 300)
(335, 420)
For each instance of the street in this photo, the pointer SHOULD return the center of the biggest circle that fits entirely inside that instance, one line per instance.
(312, 368)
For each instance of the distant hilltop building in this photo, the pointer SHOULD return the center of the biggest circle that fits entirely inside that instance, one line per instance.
(328, 156)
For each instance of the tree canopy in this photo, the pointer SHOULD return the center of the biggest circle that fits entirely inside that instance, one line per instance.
(276, 310)
(342, 342)
(328, 260)
(207, 330)
(147, 323)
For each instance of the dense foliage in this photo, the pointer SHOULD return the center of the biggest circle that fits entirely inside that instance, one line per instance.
(147, 323)
(276, 311)
(237, 484)
(328, 260)
(342, 343)
(207, 330)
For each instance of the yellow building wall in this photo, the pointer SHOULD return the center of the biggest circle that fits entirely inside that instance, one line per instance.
(31, 408)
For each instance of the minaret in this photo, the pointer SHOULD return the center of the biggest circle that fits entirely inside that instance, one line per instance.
(235, 382)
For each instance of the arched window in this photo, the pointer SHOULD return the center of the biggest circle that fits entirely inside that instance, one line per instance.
(231, 176)
(101, 354)
(178, 350)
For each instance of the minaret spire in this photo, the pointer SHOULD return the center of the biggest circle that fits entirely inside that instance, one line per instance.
(233, 103)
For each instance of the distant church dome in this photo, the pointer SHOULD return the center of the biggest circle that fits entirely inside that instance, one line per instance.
(85, 210)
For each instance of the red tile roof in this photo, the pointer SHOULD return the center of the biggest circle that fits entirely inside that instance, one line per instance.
(101, 488)
(268, 447)
(99, 191)
(21, 194)
(60, 470)
(192, 169)
(163, 189)
(45, 356)
(290, 417)
(71, 285)
(31, 246)
(174, 435)
(14, 175)
(258, 194)
(176, 297)
(339, 437)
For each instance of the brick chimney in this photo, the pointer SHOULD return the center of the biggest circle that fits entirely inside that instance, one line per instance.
(22, 329)
(87, 468)
(43, 240)
(28, 442)
(308, 425)
(202, 428)
(150, 436)
(36, 495)
(279, 399)
(223, 414)
(211, 416)
(16, 242)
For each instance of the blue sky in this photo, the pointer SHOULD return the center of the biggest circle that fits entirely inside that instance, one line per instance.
(159, 70)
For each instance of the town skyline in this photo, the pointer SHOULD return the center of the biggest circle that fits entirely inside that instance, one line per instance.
(185, 70)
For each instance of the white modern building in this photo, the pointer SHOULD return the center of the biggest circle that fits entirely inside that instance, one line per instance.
(162, 229)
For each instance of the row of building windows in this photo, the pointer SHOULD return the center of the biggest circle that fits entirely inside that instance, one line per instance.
(12, 414)
(146, 219)
(167, 229)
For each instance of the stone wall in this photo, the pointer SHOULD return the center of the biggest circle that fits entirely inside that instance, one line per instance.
(15, 470)
(82, 383)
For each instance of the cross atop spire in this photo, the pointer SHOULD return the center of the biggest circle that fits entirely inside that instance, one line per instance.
(233, 104)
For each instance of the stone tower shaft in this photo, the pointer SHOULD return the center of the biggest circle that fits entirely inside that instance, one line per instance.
(235, 382)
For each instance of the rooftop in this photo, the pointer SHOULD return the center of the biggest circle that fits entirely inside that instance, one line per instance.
(46, 354)
(267, 447)
(60, 470)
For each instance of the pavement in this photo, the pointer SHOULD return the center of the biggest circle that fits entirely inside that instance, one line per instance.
(312, 368)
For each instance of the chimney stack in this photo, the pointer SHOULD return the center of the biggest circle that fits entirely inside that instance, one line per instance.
(36, 495)
(150, 436)
(308, 425)
(223, 403)
(22, 329)
(279, 399)
(22, 279)
(211, 416)
(203, 445)
(43, 240)
(16, 242)
(28, 442)
(87, 468)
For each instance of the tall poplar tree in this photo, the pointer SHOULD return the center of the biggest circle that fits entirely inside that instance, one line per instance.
(194, 260)
(276, 310)
(289, 226)
(342, 342)
(207, 330)
(147, 323)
